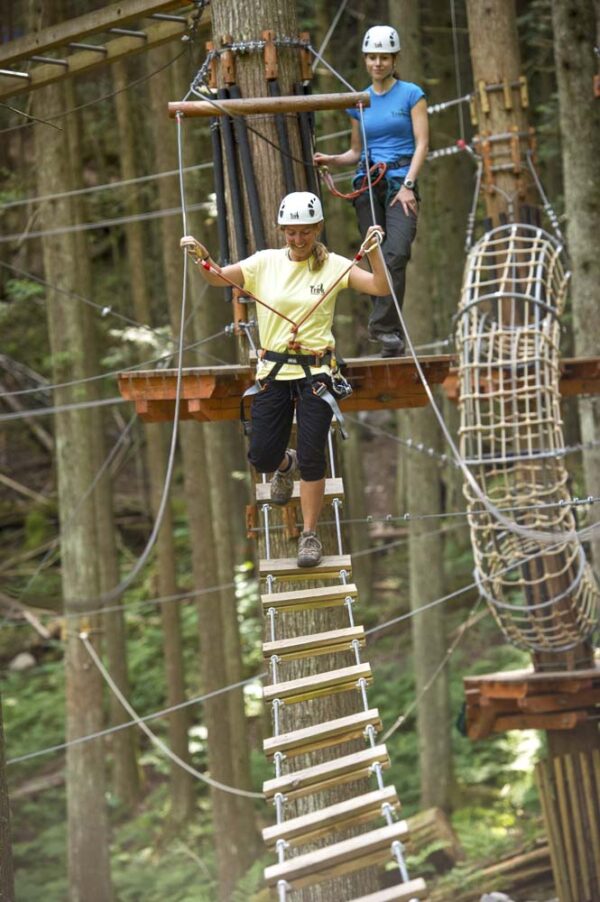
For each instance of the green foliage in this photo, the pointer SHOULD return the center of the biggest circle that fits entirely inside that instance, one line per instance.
(38, 528)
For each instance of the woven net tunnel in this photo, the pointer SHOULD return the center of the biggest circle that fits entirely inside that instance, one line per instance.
(543, 595)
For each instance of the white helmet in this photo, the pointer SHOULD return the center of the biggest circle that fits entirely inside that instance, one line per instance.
(300, 208)
(381, 39)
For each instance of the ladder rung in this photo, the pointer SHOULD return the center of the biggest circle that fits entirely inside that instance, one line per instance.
(331, 773)
(403, 892)
(309, 827)
(318, 684)
(340, 858)
(334, 488)
(330, 566)
(307, 599)
(316, 644)
(322, 735)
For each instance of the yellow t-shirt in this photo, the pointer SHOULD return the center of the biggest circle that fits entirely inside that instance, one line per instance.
(293, 288)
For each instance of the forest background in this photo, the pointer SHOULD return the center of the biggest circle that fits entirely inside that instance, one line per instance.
(405, 515)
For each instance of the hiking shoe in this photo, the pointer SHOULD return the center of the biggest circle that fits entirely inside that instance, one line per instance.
(310, 550)
(392, 344)
(282, 484)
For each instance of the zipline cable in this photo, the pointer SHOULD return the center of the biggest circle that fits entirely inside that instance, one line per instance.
(154, 739)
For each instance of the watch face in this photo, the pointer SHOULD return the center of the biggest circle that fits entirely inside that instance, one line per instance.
(408, 183)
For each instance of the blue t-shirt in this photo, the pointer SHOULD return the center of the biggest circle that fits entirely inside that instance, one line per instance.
(388, 125)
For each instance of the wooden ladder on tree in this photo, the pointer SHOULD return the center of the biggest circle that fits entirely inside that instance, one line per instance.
(298, 753)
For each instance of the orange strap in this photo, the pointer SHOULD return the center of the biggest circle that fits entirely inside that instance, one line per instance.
(379, 168)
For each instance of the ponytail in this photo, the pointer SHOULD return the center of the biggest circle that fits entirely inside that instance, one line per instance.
(320, 255)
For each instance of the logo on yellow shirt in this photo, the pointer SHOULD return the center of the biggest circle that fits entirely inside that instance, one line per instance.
(317, 289)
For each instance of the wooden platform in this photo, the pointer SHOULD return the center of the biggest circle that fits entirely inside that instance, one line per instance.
(213, 393)
(530, 700)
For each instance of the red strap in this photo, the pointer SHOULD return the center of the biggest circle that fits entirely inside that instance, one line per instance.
(380, 168)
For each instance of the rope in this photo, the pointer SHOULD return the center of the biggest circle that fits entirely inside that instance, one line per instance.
(154, 739)
(99, 224)
(469, 622)
(231, 686)
(123, 726)
(457, 70)
(83, 106)
(47, 387)
(330, 31)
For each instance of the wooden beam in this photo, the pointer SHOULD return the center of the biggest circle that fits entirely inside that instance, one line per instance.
(89, 60)
(114, 16)
(213, 393)
(291, 103)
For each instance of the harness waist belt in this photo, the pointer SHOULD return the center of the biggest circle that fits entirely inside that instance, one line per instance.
(297, 359)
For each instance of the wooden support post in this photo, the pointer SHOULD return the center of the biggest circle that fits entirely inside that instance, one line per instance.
(302, 103)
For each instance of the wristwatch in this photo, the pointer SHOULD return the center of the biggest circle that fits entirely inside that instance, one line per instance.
(409, 183)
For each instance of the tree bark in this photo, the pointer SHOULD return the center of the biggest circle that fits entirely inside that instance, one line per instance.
(89, 870)
(126, 774)
(423, 478)
(579, 116)
(246, 21)
(7, 886)
(228, 748)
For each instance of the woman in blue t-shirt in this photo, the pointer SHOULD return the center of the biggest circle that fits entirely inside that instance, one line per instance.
(397, 133)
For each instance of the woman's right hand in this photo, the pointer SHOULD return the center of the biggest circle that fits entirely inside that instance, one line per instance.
(323, 159)
(194, 247)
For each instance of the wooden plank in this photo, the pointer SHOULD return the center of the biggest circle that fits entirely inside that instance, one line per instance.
(315, 644)
(564, 810)
(292, 103)
(565, 721)
(480, 722)
(541, 704)
(308, 827)
(307, 599)
(592, 802)
(331, 773)
(403, 892)
(319, 684)
(331, 567)
(577, 816)
(531, 676)
(334, 488)
(102, 19)
(87, 61)
(323, 735)
(340, 858)
(553, 828)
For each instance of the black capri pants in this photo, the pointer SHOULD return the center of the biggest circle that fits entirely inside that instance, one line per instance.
(272, 418)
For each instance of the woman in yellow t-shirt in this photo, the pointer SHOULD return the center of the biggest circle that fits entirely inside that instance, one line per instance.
(292, 322)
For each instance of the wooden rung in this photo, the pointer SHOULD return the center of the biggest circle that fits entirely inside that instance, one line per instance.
(334, 488)
(317, 644)
(307, 599)
(340, 858)
(403, 892)
(330, 566)
(318, 684)
(331, 773)
(308, 827)
(333, 732)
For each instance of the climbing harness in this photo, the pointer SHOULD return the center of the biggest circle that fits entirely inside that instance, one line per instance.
(378, 170)
(340, 387)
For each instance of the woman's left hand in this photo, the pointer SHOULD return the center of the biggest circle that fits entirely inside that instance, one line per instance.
(406, 197)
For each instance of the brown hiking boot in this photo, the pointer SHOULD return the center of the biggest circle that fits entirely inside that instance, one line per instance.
(310, 550)
(282, 484)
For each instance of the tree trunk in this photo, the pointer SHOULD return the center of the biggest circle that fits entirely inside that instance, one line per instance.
(7, 887)
(126, 775)
(579, 111)
(246, 21)
(228, 748)
(423, 481)
(89, 871)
